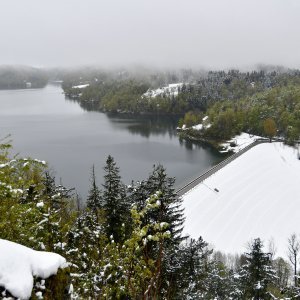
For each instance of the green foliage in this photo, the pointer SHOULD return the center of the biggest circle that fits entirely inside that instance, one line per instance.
(85, 241)
(256, 115)
(124, 97)
(127, 270)
(191, 118)
(123, 93)
(146, 258)
(270, 128)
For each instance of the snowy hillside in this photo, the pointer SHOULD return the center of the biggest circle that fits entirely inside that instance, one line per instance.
(18, 265)
(258, 197)
(170, 90)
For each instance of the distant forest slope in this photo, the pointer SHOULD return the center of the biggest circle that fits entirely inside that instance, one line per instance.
(197, 91)
(20, 77)
(264, 102)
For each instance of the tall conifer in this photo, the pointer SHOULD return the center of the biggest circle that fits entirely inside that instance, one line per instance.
(117, 211)
(94, 200)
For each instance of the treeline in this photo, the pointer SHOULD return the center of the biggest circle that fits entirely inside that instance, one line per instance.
(21, 77)
(123, 91)
(128, 242)
(233, 85)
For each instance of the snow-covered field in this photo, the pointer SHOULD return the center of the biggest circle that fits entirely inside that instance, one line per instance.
(259, 196)
(18, 265)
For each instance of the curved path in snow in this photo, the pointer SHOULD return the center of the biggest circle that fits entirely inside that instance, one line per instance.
(181, 191)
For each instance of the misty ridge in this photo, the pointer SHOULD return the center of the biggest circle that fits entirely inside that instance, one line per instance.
(16, 76)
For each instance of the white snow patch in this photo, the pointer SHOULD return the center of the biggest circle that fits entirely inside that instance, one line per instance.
(258, 196)
(241, 141)
(18, 265)
(198, 127)
(169, 90)
(81, 86)
(40, 204)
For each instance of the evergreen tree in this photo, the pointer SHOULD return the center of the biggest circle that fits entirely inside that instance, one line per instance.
(84, 244)
(116, 208)
(191, 281)
(94, 200)
(257, 273)
(170, 210)
(54, 205)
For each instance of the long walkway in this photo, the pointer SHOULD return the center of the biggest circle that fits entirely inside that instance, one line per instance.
(181, 191)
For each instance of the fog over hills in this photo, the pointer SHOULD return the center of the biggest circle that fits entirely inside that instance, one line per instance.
(214, 34)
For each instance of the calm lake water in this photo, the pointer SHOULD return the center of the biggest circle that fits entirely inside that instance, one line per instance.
(45, 125)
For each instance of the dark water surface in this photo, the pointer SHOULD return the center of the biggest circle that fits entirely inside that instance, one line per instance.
(45, 125)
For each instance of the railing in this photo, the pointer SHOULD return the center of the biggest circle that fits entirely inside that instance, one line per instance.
(181, 191)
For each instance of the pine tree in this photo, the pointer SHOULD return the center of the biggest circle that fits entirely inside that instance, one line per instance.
(170, 210)
(84, 244)
(94, 200)
(54, 206)
(116, 208)
(127, 272)
(189, 270)
(257, 273)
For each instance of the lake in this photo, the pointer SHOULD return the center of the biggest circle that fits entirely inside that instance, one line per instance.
(45, 125)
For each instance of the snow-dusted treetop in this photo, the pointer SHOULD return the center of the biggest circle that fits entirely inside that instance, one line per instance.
(18, 265)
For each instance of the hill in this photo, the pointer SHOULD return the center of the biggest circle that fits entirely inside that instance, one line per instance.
(257, 197)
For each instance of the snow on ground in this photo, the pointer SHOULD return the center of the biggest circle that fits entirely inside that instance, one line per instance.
(82, 86)
(241, 141)
(18, 265)
(170, 90)
(198, 127)
(259, 196)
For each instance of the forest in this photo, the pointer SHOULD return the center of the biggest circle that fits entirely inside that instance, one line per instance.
(21, 77)
(127, 242)
(235, 101)
(274, 112)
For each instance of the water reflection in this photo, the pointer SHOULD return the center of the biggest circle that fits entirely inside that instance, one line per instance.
(87, 106)
(146, 125)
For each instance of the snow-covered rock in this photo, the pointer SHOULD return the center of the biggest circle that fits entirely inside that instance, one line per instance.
(256, 195)
(18, 265)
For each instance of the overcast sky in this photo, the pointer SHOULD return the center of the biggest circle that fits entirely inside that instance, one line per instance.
(173, 33)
